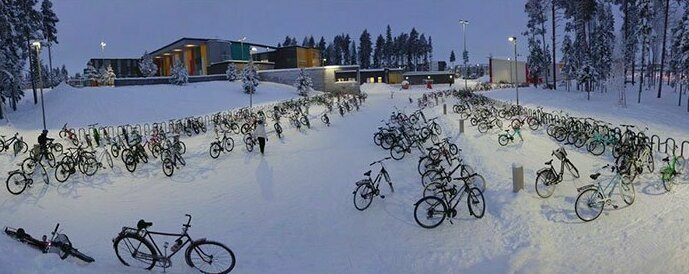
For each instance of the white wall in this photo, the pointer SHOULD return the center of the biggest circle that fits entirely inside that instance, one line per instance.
(503, 71)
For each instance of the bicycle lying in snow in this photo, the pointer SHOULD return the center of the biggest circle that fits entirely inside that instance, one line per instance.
(58, 243)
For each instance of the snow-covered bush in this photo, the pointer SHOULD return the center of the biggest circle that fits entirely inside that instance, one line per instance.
(91, 74)
(179, 75)
(146, 65)
(107, 77)
(303, 83)
(231, 72)
(249, 78)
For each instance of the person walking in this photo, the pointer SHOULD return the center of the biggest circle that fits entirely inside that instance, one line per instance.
(260, 134)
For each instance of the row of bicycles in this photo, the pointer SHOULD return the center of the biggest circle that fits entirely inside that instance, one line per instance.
(445, 179)
(137, 247)
(630, 148)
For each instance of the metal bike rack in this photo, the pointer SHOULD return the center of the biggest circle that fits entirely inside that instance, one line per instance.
(681, 153)
(655, 139)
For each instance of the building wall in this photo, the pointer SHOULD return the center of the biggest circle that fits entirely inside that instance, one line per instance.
(323, 78)
(218, 51)
(503, 71)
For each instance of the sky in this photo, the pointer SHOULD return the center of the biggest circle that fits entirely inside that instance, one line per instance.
(130, 27)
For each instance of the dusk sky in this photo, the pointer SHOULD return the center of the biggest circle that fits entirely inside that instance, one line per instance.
(129, 27)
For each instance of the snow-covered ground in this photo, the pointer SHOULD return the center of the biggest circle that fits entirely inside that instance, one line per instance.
(138, 104)
(290, 211)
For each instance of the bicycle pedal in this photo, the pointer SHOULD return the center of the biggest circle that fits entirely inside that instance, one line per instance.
(614, 206)
(382, 196)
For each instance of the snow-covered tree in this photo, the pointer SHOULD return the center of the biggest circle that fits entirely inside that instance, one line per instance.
(536, 30)
(680, 47)
(110, 76)
(249, 78)
(568, 60)
(179, 75)
(602, 42)
(536, 59)
(645, 33)
(303, 83)
(365, 49)
(231, 72)
(91, 74)
(147, 67)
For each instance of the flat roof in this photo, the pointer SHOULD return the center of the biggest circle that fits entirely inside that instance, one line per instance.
(185, 40)
(417, 73)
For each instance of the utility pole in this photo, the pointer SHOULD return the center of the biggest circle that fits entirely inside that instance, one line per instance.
(516, 76)
(466, 67)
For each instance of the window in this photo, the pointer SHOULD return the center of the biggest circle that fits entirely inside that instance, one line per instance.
(380, 79)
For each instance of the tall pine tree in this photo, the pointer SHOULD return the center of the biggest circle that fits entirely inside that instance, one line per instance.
(365, 49)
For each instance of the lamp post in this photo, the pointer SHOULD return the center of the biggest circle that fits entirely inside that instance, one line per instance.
(241, 44)
(37, 46)
(516, 77)
(251, 95)
(102, 53)
(466, 68)
(324, 60)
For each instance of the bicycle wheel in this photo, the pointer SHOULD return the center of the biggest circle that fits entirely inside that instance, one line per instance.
(377, 138)
(50, 158)
(56, 147)
(533, 123)
(589, 205)
(181, 147)
(434, 154)
(668, 178)
(433, 189)
(130, 162)
(249, 145)
(88, 166)
(115, 150)
(478, 181)
(596, 148)
(214, 150)
(133, 250)
(648, 162)
(108, 159)
(571, 168)
(228, 144)
(476, 203)
(44, 174)
(516, 123)
(627, 192)
(424, 164)
(429, 212)
(210, 257)
(29, 165)
(482, 128)
(363, 196)
(62, 172)
(545, 183)
(430, 176)
(16, 183)
(397, 152)
(168, 167)
(454, 150)
(503, 140)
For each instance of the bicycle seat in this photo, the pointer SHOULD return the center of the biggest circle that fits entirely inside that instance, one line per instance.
(595, 176)
(143, 224)
(368, 173)
(666, 159)
(549, 162)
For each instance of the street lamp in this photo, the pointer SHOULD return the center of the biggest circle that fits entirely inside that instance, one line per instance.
(466, 68)
(37, 45)
(241, 44)
(324, 60)
(516, 78)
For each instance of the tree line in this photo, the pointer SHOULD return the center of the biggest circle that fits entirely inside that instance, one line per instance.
(21, 22)
(410, 51)
(652, 43)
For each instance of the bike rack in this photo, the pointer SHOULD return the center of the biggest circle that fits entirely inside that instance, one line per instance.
(681, 153)
(81, 133)
(653, 141)
(147, 129)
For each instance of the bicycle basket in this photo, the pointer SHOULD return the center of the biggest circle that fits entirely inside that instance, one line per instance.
(560, 153)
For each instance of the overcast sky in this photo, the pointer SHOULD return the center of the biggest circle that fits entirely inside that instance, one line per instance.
(129, 27)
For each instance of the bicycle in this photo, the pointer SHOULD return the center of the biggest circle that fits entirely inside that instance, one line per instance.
(668, 173)
(250, 142)
(18, 180)
(507, 137)
(70, 134)
(224, 144)
(547, 178)
(76, 157)
(17, 143)
(434, 210)
(325, 119)
(136, 247)
(171, 156)
(595, 197)
(58, 243)
(366, 189)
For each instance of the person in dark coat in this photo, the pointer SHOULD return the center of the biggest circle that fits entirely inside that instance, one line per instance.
(43, 142)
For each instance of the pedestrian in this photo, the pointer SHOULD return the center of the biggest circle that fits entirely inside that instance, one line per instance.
(260, 134)
(43, 142)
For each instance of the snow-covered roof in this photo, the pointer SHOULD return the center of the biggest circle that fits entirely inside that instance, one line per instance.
(416, 73)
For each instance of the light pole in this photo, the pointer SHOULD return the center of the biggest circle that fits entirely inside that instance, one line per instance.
(251, 95)
(516, 76)
(466, 68)
(241, 44)
(102, 53)
(37, 46)
(324, 60)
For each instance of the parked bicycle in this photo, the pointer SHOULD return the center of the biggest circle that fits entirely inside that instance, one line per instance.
(507, 137)
(431, 211)
(548, 178)
(137, 248)
(594, 197)
(18, 180)
(673, 165)
(16, 142)
(366, 189)
(224, 144)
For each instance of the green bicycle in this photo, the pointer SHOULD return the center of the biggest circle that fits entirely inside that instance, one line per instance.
(594, 197)
(507, 137)
(669, 173)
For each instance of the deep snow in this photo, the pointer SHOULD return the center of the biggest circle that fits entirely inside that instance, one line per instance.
(290, 211)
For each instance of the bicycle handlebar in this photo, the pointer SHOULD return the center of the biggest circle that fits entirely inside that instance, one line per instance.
(379, 161)
(188, 221)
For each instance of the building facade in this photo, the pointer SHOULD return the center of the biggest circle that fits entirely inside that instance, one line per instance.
(123, 67)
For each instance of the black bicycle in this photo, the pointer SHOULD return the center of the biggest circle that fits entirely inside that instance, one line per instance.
(548, 178)
(58, 243)
(366, 189)
(224, 144)
(136, 247)
(431, 211)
